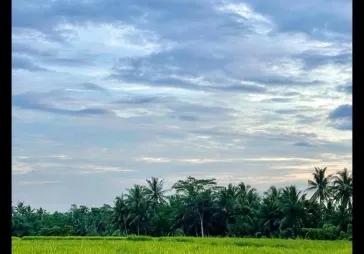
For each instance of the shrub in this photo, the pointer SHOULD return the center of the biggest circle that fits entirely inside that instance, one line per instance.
(350, 229)
(116, 233)
(285, 233)
(179, 232)
(304, 232)
(343, 235)
(312, 233)
(329, 232)
(258, 234)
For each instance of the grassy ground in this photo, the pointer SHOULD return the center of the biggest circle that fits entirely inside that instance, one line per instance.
(99, 245)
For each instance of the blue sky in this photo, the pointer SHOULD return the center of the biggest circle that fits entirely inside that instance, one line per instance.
(108, 93)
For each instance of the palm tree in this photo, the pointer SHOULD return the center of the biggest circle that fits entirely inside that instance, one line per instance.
(343, 187)
(270, 213)
(245, 190)
(226, 202)
(154, 192)
(292, 207)
(138, 205)
(314, 213)
(320, 184)
(121, 213)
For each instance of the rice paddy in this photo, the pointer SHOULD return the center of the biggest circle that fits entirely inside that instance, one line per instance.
(133, 244)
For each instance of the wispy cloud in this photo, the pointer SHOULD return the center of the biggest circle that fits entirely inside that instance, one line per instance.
(19, 168)
(37, 182)
(107, 94)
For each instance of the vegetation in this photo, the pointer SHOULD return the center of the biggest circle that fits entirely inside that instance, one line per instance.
(142, 244)
(199, 207)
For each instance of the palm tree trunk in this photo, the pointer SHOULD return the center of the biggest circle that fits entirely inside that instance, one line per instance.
(227, 225)
(125, 228)
(138, 227)
(201, 223)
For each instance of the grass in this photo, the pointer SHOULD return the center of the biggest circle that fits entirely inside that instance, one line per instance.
(132, 244)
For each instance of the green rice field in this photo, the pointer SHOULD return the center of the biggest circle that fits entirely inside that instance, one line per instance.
(132, 244)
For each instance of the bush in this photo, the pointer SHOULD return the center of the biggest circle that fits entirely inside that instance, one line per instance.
(258, 234)
(327, 232)
(312, 233)
(286, 233)
(65, 230)
(343, 235)
(116, 233)
(330, 232)
(350, 229)
(179, 232)
(304, 232)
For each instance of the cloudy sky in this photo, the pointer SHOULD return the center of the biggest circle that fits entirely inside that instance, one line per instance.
(106, 93)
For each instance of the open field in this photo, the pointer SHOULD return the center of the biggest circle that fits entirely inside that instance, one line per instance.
(101, 245)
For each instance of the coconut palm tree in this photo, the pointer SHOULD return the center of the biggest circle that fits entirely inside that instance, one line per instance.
(121, 213)
(138, 205)
(245, 190)
(154, 192)
(292, 207)
(245, 210)
(320, 185)
(343, 188)
(269, 213)
(226, 201)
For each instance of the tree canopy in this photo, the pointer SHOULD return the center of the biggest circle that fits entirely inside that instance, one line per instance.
(199, 207)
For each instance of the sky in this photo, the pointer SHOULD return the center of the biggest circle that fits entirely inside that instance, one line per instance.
(107, 93)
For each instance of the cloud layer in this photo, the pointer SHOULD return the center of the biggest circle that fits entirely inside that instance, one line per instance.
(108, 93)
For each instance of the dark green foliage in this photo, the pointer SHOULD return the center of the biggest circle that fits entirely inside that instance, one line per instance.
(258, 234)
(56, 231)
(343, 235)
(201, 208)
(350, 229)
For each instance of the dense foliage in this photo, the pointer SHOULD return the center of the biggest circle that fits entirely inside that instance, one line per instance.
(200, 207)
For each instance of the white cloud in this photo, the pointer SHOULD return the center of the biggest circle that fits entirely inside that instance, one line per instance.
(19, 168)
(37, 182)
(103, 169)
(258, 23)
(108, 40)
(222, 160)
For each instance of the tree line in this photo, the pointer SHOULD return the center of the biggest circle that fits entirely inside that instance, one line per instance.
(199, 207)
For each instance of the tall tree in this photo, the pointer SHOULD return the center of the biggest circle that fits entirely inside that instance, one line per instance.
(246, 210)
(292, 206)
(121, 213)
(320, 185)
(270, 213)
(198, 194)
(138, 205)
(155, 193)
(343, 187)
(226, 201)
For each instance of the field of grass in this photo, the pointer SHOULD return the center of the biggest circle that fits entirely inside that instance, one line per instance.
(109, 245)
